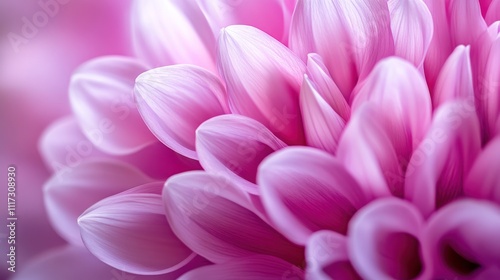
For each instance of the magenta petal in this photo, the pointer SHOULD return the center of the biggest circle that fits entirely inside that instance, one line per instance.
(439, 165)
(465, 32)
(158, 43)
(71, 191)
(327, 257)
(385, 241)
(483, 180)
(233, 146)
(102, 99)
(463, 238)
(118, 227)
(250, 268)
(493, 12)
(210, 215)
(175, 100)
(263, 79)
(301, 200)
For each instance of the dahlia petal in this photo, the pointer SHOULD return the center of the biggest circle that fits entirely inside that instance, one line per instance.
(368, 153)
(322, 125)
(483, 180)
(299, 200)
(463, 239)
(175, 100)
(402, 97)
(361, 30)
(385, 241)
(102, 100)
(327, 257)
(493, 12)
(484, 6)
(465, 32)
(172, 32)
(206, 212)
(455, 80)
(249, 268)
(234, 146)
(263, 80)
(412, 28)
(440, 164)
(118, 227)
(70, 191)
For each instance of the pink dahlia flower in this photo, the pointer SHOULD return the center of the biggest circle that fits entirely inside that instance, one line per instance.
(348, 140)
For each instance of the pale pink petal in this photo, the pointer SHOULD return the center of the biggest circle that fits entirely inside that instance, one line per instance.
(172, 32)
(455, 81)
(493, 12)
(483, 180)
(175, 100)
(322, 125)
(101, 96)
(72, 190)
(440, 164)
(233, 146)
(463, 238)
(327, 257)
(402, 98)
(412, 28)
(263, 80)
(129, 231)
(465, 32)
(207, 213)
(368, 153)
(359, 29)
(305, 190)
(250, 268)
(385, 241)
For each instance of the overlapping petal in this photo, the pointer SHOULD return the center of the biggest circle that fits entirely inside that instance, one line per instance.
(493, 12)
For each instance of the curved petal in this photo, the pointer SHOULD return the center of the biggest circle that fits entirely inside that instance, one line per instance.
(327, 257)
(118, 227)
(175, 100)
(368, 153)
(209, 214)
(322, 125)
(254, 267)
(102, 100)
(493, 12)
(234, 146)
(402, 98)
(263, 80)
(483, 180)
(455, 80)
(440, 164)
(360, 29)
(463, 238)
(412, 28)
(303, 198)
(172, 32)
(385, 241)
(465, 32)
(70, 191)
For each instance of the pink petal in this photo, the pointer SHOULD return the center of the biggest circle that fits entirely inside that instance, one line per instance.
(209, 215)
(455, 79)
(412, 28)
(118, 227)
(484, 5)
(175, 100)
(483, 180)
(102, 100)
(463, 239)
(402, 98)
(465, 32)
(303, 198)
(366, 150)
(70, 191)
(385, 241)
(263, 80)
(172, 32)
(360, 30)
(439, 165)
(322, 125)
(327, 257)
(254, 267)
(493, 12)
(234, 146)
